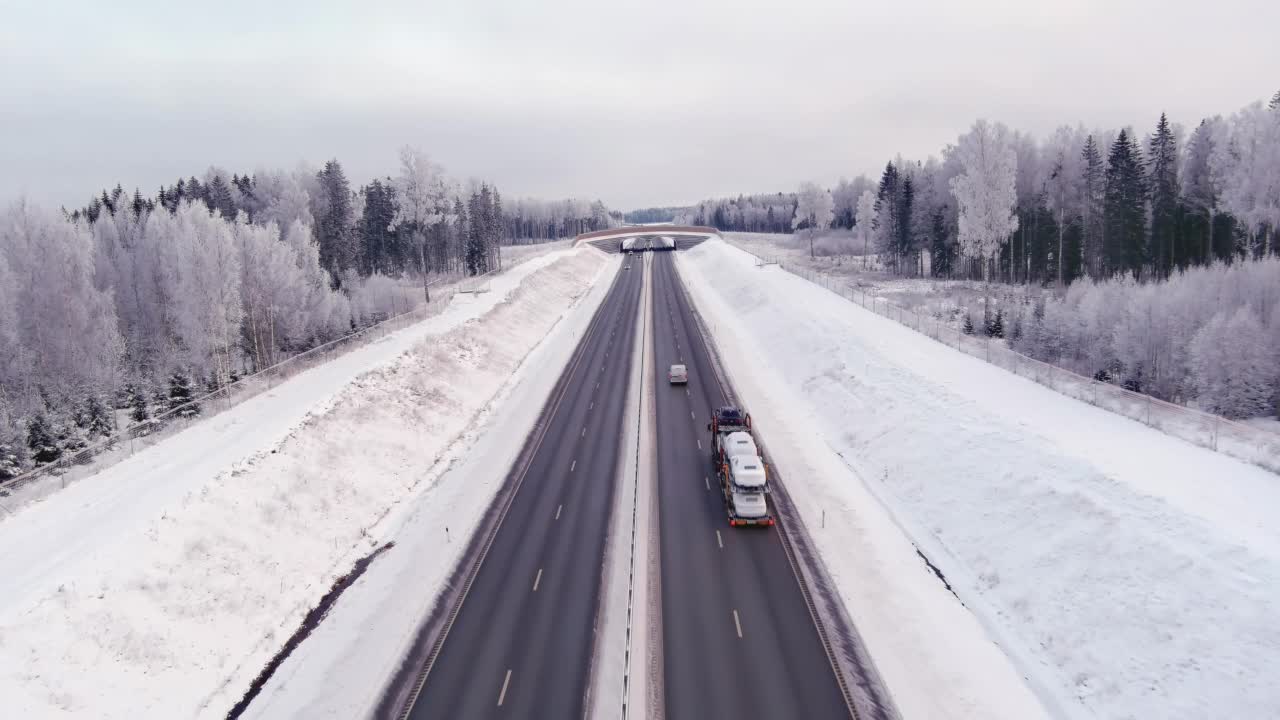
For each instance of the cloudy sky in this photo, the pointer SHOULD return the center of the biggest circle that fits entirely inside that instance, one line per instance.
(638, 103)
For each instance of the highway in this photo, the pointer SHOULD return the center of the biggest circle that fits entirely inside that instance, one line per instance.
(737, 636)
(522, 642)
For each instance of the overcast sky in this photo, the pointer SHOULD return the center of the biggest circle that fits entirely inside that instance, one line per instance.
(638, 103)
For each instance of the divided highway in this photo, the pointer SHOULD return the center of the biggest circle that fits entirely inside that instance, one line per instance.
(522, 642)
(737, 637)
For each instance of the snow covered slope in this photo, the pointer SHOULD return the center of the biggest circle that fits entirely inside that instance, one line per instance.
(1124, 572)
(162, 586)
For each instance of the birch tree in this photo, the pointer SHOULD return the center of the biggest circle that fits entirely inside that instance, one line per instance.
(814, 209)
(985, 193)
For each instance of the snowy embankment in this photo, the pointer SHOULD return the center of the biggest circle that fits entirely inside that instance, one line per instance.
(162, 586)
(1123, 572)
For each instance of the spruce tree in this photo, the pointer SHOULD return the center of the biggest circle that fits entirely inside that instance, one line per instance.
(180, 396)
(10, 462)
(1275, 101)
(995, 328)
(1124, 208)
(97, 418)
(335, 223)
(1162, 178)
(40, 440)
(903, 240)
(138, 403)
(219, 198)
(1094, 178)
(968, 324)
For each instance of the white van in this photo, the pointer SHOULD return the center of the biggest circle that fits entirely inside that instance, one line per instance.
(678, 375)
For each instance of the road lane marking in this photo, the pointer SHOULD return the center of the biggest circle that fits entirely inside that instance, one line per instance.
(574, 465)
(686, 392)
(584, 432)
(503, 695)
(736, 623)
(720, 542)
(699, 444)
(692, 418)
(538, 579)
(707, 480)
(593, 406)
(558, 509)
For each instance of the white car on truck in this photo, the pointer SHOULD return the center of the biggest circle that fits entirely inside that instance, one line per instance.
(739, 467)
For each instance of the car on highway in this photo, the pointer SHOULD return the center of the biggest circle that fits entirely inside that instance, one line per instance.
(678, 375)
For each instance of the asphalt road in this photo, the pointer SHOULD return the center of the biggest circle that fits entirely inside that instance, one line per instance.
(521, 645)
(738, 640)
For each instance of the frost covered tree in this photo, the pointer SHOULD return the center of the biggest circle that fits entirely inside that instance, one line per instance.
(1246, 169)
(866, 219)
(67, 338)
(1200, 193)
(1233, 366)
(422, 196)
(814, 210)
(985, 193)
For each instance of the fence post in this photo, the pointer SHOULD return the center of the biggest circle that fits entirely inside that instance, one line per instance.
(1148, 411)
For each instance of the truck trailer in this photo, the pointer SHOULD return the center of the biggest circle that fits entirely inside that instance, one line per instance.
(739, 468)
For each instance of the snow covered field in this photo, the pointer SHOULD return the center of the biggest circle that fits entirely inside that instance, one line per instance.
(1124, 573)
(162, 586)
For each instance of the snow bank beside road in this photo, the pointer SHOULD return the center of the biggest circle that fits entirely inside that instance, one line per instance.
(173, 613)
(1126, 573)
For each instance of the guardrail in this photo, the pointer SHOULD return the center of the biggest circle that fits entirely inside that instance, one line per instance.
(1241, 441)
(134, 438)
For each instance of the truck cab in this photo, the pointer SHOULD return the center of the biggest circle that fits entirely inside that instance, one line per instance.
(747, 483)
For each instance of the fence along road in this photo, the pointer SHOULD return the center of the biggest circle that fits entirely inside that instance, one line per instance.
(1238, 440)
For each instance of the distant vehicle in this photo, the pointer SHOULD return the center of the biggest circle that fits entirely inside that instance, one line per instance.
(739, 468)
(678, 375)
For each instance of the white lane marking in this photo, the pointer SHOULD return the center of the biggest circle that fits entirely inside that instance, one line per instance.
(692, 418)
(584, 432)
(538, 579)
(558, 509)
(597, 384)
(707, 480)
(686, 392)
(574, 465)
(720, 542)
(699, 444)
(736, 623)
(503, 695)
(593, 406)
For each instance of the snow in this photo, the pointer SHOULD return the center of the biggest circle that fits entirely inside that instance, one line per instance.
(342, 668)
(1122, 572)
(162, 586)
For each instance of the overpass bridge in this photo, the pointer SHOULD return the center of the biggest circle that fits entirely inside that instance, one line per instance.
(645, 238)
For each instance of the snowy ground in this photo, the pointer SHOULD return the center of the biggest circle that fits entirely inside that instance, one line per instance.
(1124, 573)
(947, 300)
(161, 586)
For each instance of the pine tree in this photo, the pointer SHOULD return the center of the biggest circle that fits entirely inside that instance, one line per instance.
(1162, 178)
(219, 198)
(10, 462)
(40, 440)
(968, 324)
(902, 246)
(97, 418)
(180, 396)
(1124, 208)
(1275, 101)
(475, 254)
(334, 229)
(138, 402)
(1094, 177)
(995, 328)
